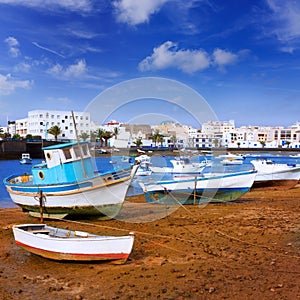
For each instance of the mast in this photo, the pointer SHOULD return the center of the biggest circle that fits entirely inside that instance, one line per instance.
(78, 143)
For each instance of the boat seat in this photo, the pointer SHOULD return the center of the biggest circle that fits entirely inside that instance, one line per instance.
(43, 231)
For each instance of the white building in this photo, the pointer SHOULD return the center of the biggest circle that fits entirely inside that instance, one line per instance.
(40, 121)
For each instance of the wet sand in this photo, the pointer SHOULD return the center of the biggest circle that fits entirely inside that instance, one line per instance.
(248, 249)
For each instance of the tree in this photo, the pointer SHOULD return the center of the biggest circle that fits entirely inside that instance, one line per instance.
(84, 136)
(262, 143)
(157, 137)
(116, 132)
(100, 134)
(138, 142)
(173, 140)
(55, 131)
(106, 136)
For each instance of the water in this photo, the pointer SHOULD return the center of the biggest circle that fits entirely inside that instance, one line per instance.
(10, 167)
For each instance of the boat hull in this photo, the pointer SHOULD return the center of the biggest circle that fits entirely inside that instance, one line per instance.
(58, 244)
(271, 175)
(221, 188)
(102, 196)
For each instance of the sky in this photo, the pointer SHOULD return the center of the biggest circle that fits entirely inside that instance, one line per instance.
(242, 58)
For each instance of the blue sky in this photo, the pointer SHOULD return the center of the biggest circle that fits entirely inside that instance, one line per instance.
(242, 57)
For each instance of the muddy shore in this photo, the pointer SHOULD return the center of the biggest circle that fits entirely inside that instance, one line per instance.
(249, 249)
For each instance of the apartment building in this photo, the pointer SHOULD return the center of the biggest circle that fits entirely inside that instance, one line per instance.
(40, 121)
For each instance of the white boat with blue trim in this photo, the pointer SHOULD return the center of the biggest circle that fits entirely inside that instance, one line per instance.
(68, 183)
(275, 175)
(25, 159)
(198, 189)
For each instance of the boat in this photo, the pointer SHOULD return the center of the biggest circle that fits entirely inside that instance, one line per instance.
(25, 159)
(144, 162)
(68, 183)
(229, 155)
(66, 245)
(182, 165)
(203, 188)
(275, 175)
(231, 161)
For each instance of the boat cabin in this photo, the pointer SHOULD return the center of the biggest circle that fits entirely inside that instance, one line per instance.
(68, 162)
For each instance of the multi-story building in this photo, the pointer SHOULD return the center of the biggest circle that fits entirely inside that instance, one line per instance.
(40, 121)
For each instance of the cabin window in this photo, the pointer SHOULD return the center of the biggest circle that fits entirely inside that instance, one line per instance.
(77, 152)
(49, 156)
(41, 175)
(67, 153)
(85, 150)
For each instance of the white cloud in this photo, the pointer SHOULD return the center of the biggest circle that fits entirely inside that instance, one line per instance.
(167, 55)
(13, 45)
(285, 19)
(76, 70)
(22, 67)
(223, 57)
(72, 5)
(8, 84)
(134, 12)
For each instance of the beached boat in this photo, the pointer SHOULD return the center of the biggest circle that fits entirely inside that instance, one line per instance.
(25, 159)
(182, 165)
(68, 183)
(198, 189)
(271, 174)
(62, 244)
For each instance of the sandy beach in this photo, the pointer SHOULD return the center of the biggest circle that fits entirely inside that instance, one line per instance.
(248, 249)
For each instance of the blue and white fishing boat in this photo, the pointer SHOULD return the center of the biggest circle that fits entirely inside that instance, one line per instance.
(199, 189)
(68, 183)
(25, 159)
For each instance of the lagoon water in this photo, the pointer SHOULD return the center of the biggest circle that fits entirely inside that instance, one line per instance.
(10, 167)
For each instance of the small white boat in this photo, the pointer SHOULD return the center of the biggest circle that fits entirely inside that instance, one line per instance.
(232, 156)
(25, 159)
(182, 165)
(271, 174)
(144, 162)
(61, 244)
(231, 161)
(198, 189)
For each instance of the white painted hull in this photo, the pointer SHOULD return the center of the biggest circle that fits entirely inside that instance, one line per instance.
(225, 187)
(276, 174)
(60, 244)
(99, 196)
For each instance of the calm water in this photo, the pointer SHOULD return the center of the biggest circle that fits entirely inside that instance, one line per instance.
(10, 167)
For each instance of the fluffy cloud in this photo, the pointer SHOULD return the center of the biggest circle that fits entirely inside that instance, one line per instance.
(8, 84)
(223, 57)
(13, 46)
(189, 61)
(134, 12)
(76, 70)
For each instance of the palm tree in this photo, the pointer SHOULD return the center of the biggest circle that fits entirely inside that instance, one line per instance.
(106, 136)
(262, 143)
(54, 130)
(100, 134)
(116, 132)
(138, 142)
(84, 136)
(156, 137)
